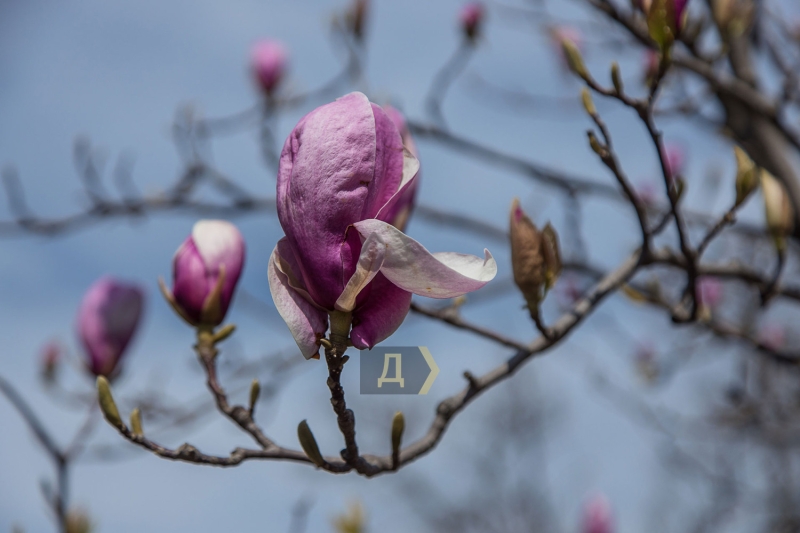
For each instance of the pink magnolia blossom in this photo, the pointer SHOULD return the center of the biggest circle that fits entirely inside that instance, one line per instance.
(201, 293)
(398, 215)
(268, 63)
(676, 159)
(709, 292)
(471, 18)
(772, 336)
(107, 319)
(342, 170)
(597, 516)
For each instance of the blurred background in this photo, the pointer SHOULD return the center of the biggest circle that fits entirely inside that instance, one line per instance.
(630, 405)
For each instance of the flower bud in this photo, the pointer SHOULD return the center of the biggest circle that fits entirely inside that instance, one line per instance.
(561, 34)
(597, 516)
(255, 392)
(616, 78)
(574, 59)
(778, 208)
(136, 423)
(398, 426)
(709, 295)
(268, 64)
(746, 175)
(651, 66)
(353, 521)
(77, 521)
(107, 404)
(205, 271)
(675, 160)
(588, 103)
(471, 19)
(309, 443)
(50, 357)
(732, 17)
(535, 257)
(552, 256)
(107, 320)
(665, 19)
(356, 17)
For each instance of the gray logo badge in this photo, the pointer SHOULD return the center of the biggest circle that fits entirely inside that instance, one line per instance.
(397, 370)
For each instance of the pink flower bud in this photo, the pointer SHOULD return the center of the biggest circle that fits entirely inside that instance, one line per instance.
(597, 516)
(471, 18)
(50, 357)
(268, 62)
(205, 271)
(709, 292)
(107, 319)
(342, 172)
(676, 159)
(398, 215)
(651, 65)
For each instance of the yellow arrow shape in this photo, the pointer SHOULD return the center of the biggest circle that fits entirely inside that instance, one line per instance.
(434, 370)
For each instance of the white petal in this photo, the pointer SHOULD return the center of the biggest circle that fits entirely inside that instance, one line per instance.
(413, 268)
(217, 241)
(410, 169)
(306, 323)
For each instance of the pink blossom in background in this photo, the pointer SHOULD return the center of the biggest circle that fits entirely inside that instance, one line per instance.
(213, 246)
(49, 360)
(648, 193)
(342, 170)
(471, 18)
(268, 64)
(709, 291)
(107, 320)
(597, 517)
(772, 336)
(676, 159)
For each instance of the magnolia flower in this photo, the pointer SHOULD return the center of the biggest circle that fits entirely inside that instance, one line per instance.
(342, 170)
(107, 319)
(597, 516)
(205, 271)
(399, 213)
(268, 63)
(471, 17)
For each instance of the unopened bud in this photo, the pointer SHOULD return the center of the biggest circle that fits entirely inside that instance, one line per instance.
(680, 188)
(588, 104)
(107, 404)
(77, 521)
(224, 332)
(526, 255)
(594, 143)
(398, 426)
(777, 208)
(746, 175)
(616, 77)
(255, 391)
(136, 423)
(552, 256)
(574, 59)
(309, 443)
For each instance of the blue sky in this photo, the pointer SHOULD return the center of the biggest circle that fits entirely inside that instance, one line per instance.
(116, 72)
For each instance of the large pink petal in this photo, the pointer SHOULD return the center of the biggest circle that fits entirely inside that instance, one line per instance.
(307, 323)
(413, 268)
(381, 314)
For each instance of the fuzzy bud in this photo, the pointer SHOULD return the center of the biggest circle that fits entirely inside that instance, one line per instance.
(616, 78)
(107, 404)
(552, 256)
(588, 103)
(535, 257)
(136, 423)
(471, 19)
(574, 58)
(777, 208)
(309, 443)
(255, 392)
(746, 175)
(398, 426)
